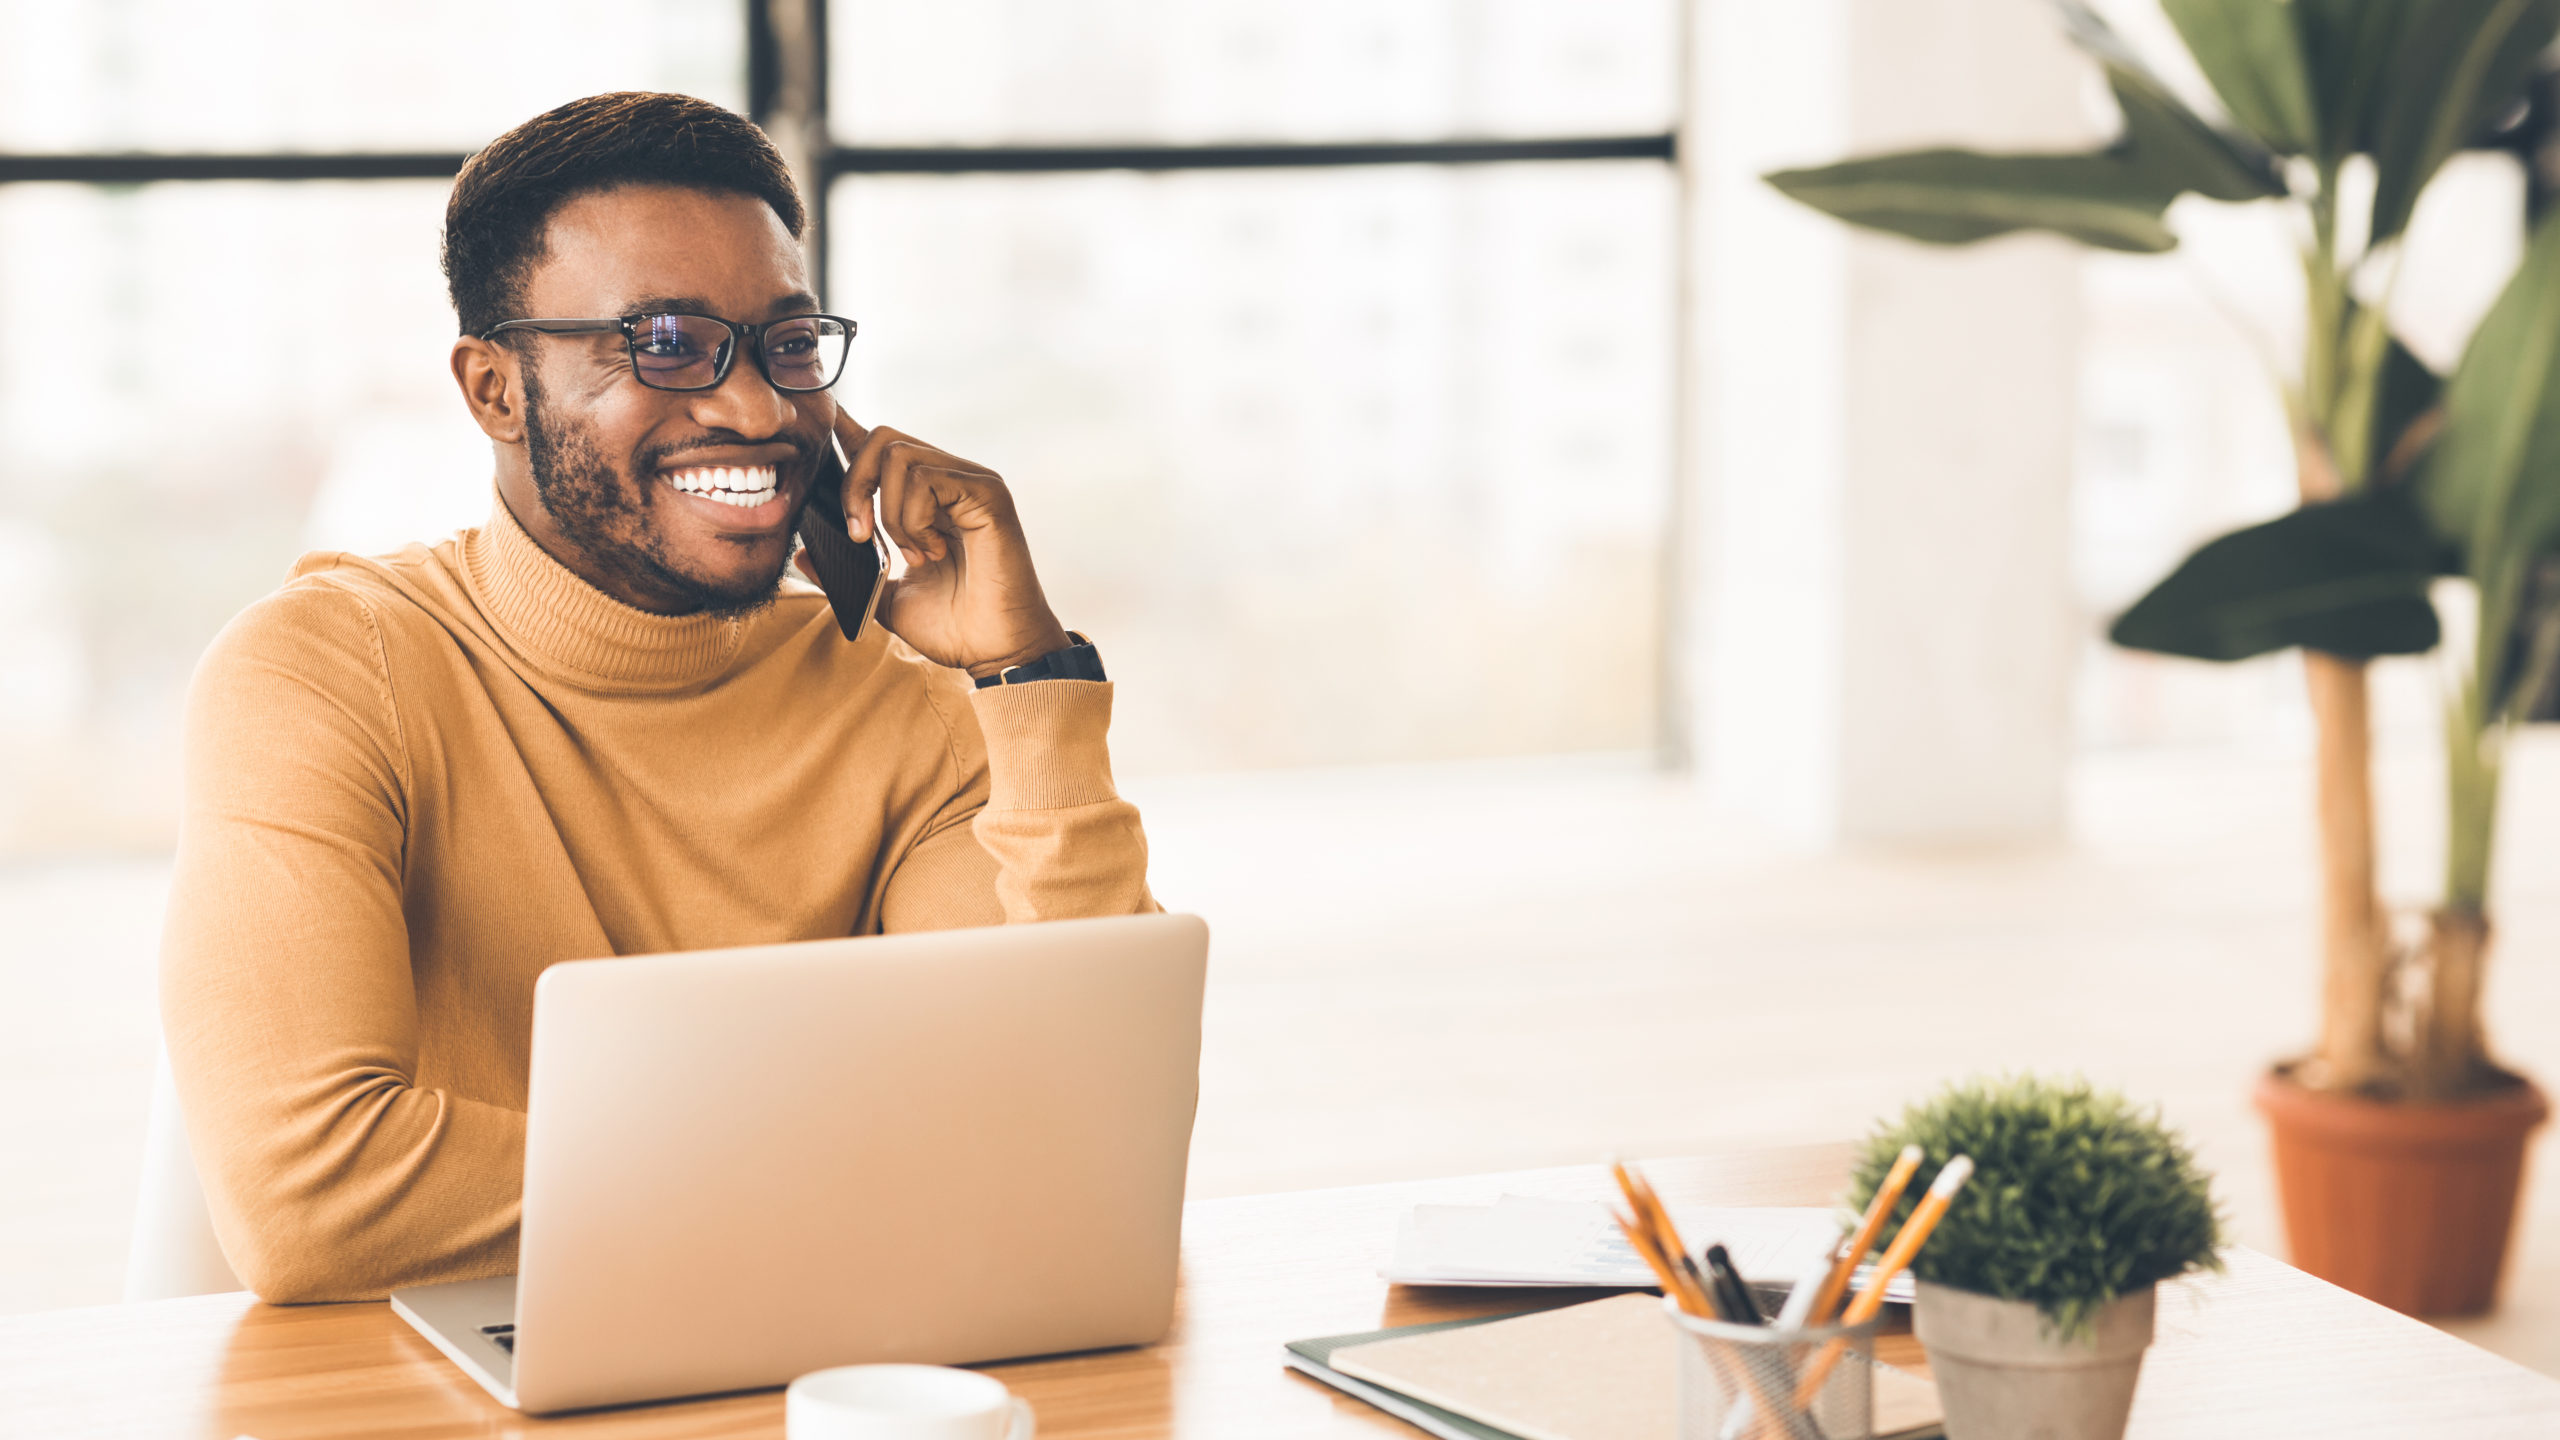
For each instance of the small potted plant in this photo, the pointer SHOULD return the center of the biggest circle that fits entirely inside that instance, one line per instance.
(2035, 1292)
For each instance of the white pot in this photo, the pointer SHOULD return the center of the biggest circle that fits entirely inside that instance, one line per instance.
(2005, 1374)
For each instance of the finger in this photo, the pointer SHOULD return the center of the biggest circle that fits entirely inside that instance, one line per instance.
(849, 436)
(865, 461)
(946, 506)
(906, 527)
(966, 499)
(927, 491)
(882, 466)
(933, 497)
(807, 567)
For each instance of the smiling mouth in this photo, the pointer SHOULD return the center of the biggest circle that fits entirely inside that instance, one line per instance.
(745, 486)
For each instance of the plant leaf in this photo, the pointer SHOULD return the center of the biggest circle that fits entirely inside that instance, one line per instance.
(2348, 46)
(2164, 138)
(2492, 483)
(2252, 52)
(2078, 1195)
(2348, 577)
(2406, 391)
(1954, 197)
(2459, 66)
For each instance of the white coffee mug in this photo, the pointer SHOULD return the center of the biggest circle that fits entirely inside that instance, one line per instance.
(903, 1402)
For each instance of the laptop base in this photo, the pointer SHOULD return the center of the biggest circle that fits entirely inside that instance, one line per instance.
(473, 1322)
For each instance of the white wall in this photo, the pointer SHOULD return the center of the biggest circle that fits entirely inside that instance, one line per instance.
(1877, 610)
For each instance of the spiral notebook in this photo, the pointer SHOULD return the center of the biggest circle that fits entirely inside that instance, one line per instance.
(1606, 1370)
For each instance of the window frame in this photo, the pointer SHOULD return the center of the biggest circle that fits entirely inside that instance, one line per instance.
(787, 88)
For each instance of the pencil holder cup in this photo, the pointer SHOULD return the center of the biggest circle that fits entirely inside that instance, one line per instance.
(1757, 1382)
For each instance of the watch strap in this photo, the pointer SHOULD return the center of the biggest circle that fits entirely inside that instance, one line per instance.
(1079, 661)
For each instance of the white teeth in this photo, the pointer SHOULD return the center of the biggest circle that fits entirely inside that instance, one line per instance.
(742, 486)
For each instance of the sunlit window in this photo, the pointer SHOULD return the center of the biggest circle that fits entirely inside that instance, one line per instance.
(1338, 463)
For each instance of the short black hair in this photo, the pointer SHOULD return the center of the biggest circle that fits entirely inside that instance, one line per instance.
(505, 197)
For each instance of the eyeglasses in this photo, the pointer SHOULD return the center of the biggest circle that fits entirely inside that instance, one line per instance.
(694, 352)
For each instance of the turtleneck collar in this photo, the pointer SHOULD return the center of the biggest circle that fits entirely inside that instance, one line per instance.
(584, 635)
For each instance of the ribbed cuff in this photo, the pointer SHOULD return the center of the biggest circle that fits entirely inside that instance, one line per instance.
(1048, 743)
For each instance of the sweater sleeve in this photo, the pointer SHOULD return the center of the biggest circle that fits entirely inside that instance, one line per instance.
(286, 996)
(1035, 828)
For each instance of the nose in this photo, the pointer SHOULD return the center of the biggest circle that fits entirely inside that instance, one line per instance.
(745, 403)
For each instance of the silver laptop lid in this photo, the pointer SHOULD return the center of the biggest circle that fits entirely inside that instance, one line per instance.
(742, 1165)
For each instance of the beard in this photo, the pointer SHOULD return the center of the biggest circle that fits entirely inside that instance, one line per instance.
(606, 514)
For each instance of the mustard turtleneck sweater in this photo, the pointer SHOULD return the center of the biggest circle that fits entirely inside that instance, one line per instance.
(415, 782)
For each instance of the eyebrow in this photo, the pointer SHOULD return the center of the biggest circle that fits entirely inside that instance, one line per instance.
(798, 302)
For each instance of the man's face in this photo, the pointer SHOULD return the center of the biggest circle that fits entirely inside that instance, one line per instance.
(634, 479)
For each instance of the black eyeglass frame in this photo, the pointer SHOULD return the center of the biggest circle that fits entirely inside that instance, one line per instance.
(741, 337)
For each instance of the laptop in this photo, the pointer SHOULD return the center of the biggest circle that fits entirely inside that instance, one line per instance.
(744, 1165)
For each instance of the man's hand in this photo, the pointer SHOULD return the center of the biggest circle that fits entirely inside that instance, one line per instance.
(969, 599)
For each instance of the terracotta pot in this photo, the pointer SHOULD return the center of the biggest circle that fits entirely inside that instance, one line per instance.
(2402, 1203)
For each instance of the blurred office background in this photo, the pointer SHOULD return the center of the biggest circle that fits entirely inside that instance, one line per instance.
(1617, 658)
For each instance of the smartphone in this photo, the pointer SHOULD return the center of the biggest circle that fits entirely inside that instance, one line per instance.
(850, 572)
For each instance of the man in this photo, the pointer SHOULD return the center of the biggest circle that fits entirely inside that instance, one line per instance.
(602, 723)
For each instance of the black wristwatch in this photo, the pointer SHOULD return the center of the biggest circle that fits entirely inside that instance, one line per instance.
(1079, 661)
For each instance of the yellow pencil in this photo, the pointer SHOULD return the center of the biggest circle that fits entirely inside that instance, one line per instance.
(1914, 1234)
(1870, 1229)
(1674, 1284)
(1685, 1293)
(1681, 1283)
(1648, 1205)
(1657, 1240)
(1932, 1209)
(1655, 1217)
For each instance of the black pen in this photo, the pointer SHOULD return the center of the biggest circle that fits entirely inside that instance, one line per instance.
(1732, 1295)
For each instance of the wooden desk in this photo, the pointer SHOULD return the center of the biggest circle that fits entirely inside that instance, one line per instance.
(2262, 1351)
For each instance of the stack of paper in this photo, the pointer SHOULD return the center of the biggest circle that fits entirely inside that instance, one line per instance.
(1523, 1241)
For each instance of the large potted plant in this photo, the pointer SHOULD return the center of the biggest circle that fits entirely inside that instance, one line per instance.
(2036, 1290)
(2399, 1140)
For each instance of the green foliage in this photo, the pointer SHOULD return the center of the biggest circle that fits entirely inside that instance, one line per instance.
(2076, 1198)
(2163, 137)
(1950, 197)
(2252, 53)
(2404, 393)
(2349, 578)
(2456, 67)
(2492, 488)
(2112, 198)
(2492, 484)
(2407, 83)
(2348, 47)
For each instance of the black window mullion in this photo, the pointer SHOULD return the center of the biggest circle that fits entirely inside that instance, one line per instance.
(1318, 154)
(142, 167)
(787, 95)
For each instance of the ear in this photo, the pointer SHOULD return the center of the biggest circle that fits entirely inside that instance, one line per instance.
(492, 385)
